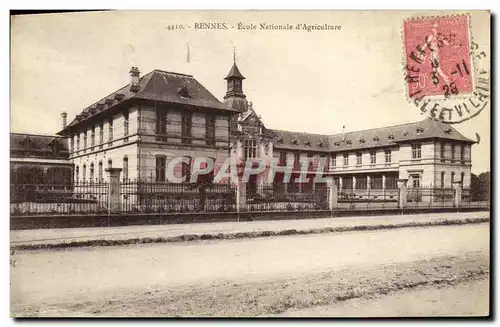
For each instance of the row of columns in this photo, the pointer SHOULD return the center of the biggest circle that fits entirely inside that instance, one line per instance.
(368, 182)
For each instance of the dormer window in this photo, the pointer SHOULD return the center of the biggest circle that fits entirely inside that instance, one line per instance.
(280, 140)
(183, 91)
(348, 142)
(375, 139)
(337, 144)
(419, 130)
(448, 131)
(295, 142)
(405, 133)
(307, 143)
(320, 144)
(361, 140)
(391, 136)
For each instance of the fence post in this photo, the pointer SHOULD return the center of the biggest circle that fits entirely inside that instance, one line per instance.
(114, 196)
(403, 192)
(241, 197)
(457, 200)
(332, 194)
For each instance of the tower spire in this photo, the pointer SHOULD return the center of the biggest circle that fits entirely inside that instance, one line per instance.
(234, 55)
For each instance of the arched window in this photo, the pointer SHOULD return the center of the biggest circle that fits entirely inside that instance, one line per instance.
(91, 172)
(110, 163)
(77, 173)
(125, 168)
(100, 171)
(84, 172)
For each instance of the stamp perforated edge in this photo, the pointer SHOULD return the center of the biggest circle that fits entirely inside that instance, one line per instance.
(439, 98)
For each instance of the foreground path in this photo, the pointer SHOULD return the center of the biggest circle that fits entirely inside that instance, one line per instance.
(464, 299)
(85, 278)
(67, 235)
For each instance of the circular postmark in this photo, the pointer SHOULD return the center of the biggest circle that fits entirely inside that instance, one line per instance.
(446, 73)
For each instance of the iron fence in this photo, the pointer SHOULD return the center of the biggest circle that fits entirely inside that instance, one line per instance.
(359, 199)
(147, 196)
(275, 197)
(82, 197)
(430, 197)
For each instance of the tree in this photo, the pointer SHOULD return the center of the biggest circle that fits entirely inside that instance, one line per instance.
(480, 187)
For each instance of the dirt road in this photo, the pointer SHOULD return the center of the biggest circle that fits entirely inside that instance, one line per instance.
(226, 277)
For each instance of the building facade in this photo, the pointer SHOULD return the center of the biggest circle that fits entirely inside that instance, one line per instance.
(162, 115)
(145, 124)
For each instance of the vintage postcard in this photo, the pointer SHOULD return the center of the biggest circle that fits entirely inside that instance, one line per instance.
(250, 164)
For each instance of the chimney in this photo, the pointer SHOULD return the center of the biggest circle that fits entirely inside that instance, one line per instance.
(64, 119)
(134, 79)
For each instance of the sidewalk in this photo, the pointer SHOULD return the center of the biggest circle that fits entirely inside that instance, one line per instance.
(71, 235)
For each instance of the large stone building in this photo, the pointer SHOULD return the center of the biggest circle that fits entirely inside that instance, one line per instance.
(163, 115)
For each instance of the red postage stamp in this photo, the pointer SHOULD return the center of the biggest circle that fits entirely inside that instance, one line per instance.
(437, 54)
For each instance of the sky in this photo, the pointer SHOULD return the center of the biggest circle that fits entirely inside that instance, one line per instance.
(315, 82)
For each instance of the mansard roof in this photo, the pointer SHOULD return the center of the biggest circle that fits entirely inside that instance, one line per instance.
(365, 139)
(298, 141)
(37, 143)
(158, 85)
(391, 135)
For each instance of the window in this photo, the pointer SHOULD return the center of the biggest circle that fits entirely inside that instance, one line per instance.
(334, 161)
(415, 180)
(388, 155)
(442, 178)
(373, 157)
(125, 168)
(376, 182)
(92, 136)
(161, 125)
(161, 163)
(462, 154)
(441, 151)
(100, 171)
(84, 172)
(250, 148)
(186, 171)
(78, 142)
(110, 135)
(416, 151)
(452, 178)
(110, 163)
(91, 172)
(282, 159)
(77, 172)
(296, 160)
(453, 152)
(462, 177)
(359, 159)
(85, 139)
(186, 127)
(101, 134)
(346, 159)
(72, 144)
(125, 122)
(210, 129)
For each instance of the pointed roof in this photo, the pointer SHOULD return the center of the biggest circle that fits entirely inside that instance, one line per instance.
(234, 72)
